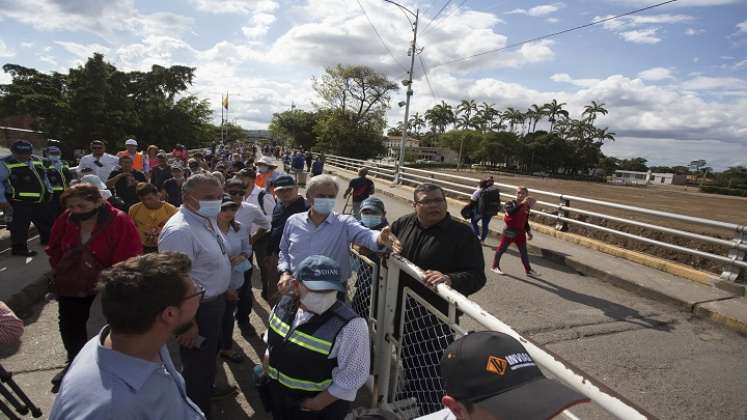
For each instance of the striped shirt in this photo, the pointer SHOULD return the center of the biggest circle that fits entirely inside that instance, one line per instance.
(11, 327)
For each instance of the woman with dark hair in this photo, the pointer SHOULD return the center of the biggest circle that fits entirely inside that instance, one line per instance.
(151, 155)
(89, 236)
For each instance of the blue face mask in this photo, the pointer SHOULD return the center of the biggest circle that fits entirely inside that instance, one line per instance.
(209, 208)
(371, 220)
(54, 158)
(242, 266)
(324, 205)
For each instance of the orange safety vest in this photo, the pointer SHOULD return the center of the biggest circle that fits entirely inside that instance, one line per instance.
(137, 161)
(262, 179)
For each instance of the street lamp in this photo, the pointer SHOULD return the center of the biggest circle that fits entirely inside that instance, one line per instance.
(408, 84)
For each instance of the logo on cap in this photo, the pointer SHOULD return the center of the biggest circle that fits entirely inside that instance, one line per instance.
(497, 365)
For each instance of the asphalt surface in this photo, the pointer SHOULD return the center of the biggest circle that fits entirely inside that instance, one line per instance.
(672, 365)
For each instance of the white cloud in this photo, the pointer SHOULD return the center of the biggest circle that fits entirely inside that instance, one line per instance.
(706, 83)
(552, 20)
(656, 74)
(642, 36)
(83, 51)
(541, 10)
(259, 25)
(680, 3)
(235, 6)
(694, 31)
(5, 51)
(27, 44)
(566, 78)
(5, 78)
(742, 26)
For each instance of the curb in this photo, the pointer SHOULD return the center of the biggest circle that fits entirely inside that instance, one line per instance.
(724, 311)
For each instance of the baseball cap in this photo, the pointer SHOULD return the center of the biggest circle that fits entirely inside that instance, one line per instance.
(21, 147)
(283, 182)
(227, 202)
(131, 142)
(319, 273)
(493, 370)
(373, 203)
(265, 160)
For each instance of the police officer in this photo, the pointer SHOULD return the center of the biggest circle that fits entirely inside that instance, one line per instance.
(318, 347)
(59, 176)
(25, 190)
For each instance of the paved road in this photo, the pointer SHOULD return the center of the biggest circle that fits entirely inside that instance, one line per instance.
(657, 356)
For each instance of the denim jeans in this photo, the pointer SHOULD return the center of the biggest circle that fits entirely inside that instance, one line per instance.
(485, 223)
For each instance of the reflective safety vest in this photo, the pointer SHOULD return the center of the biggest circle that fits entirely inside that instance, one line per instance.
(299, 358)
(137, 161)
(25, 183)
(58, 178)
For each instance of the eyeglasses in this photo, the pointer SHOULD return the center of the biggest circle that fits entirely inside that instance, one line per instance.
(200, 292)
(239, 192)
(430, 202)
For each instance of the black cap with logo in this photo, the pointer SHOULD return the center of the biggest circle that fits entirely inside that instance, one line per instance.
(495, 372)
(21, 147)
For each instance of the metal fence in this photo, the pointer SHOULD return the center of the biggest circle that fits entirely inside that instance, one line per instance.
(560, 211)
(409, 336)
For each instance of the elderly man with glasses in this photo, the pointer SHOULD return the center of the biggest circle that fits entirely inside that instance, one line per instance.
(194, 231)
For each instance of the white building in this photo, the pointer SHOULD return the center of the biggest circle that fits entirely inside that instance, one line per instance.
(646, 178)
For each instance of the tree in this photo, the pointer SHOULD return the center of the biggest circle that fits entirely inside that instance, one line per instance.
(554, 111)
(592, 110)
(497, 147)
(513, 116)
(295, 125)
(338, 132)
(417, 122)
(634, 164)
(537, 113)
(465, 142)
(440, 116)
(464, 114)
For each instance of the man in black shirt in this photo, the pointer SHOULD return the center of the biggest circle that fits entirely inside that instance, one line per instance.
(449, 253)
(123, 181)
(171, 190)
(161, 172)
(361, 188)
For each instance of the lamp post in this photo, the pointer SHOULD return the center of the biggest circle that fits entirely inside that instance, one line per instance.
(408, 85)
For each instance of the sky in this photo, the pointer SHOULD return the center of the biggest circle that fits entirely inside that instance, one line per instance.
(674, 78)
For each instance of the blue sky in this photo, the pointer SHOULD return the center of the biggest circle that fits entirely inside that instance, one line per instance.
(674, 78)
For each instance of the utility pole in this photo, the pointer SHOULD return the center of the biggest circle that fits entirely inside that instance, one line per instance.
(408, 85)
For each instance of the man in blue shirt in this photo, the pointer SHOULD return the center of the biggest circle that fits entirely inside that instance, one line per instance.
(126, 372)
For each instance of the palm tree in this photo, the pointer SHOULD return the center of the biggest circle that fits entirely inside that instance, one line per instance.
(417, 122)
(553, 110)
(440, 116)
(537, 113)
(464, 110)
(513, 116)
(594, 109)
(602, 134)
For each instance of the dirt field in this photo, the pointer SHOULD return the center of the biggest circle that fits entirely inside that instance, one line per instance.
(676, 199)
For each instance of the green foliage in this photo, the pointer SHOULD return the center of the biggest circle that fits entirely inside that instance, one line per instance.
(634, 164)
(338, 132)
(97, 101)
(295, 125)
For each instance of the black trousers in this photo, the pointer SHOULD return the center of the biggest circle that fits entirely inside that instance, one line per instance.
(73, 317)
(23, 215)
(286, 406)
(226, 331)
(244, 305)
(199, 365)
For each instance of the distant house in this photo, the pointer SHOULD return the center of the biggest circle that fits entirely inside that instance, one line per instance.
(648, 178)
(414, 152)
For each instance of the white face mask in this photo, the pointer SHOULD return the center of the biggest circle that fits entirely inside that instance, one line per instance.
(319, 302)
(209, 208)
(324, 205)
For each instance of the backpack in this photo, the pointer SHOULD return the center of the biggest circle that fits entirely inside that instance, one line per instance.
(489, 202)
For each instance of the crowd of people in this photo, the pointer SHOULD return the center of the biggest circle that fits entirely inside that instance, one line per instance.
(169, 242)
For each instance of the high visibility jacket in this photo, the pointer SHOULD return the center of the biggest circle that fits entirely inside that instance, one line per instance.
(58, 178)
(299, 358)
(137, 161)
(262, 179)
(26, 183)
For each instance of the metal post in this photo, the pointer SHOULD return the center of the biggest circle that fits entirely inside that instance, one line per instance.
(406, 124)
(560, 224)
(732, 272)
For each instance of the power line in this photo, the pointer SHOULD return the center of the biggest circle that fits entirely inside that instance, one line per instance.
(554, 34)
(380, 37)
(433, 19)
(427, 78)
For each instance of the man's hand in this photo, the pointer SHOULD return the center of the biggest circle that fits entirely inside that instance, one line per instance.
(232, 295)
(434, 278)
(387, 238)
(187, 339)
(321, 401)
(285, 284)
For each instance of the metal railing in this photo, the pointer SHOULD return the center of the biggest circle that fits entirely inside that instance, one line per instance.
(733, 260)
(409, 336)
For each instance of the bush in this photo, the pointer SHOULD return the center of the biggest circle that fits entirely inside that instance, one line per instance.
(723, 190)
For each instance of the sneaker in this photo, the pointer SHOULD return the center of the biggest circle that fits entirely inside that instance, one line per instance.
(532, 273)
(225, 391)
(498, 271)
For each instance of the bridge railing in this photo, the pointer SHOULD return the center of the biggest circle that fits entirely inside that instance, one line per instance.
(728, 253)
(409, 336)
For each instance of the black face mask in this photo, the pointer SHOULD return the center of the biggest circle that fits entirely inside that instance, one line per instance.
(79, 217)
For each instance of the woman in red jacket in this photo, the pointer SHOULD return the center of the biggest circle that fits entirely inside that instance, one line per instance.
(89, 236)
(517, 230)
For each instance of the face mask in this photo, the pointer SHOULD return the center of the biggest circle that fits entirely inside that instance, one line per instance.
(242, 266)
(79, 217)
(54, 158)
(209, 208)
(324, 205)
(371, 220)
(319, 302)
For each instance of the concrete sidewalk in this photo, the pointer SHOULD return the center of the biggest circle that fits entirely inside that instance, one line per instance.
(696, 294)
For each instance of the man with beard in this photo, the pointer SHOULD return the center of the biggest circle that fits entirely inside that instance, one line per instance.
(126, 372)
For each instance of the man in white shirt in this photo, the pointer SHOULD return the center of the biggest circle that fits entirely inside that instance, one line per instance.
(101, 163)
(194, 231)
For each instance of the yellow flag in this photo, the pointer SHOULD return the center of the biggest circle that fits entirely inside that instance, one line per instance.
(225, 101)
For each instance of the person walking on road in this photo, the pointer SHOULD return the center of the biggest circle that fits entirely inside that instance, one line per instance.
(486, 201)
(126, 372)
(517, 230)
(88, 237)
(194, 231)
(59, 176)
(361, 188)
(25, 192)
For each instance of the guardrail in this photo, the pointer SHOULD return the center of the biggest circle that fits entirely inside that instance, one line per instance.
(409, 336)
(560, 211)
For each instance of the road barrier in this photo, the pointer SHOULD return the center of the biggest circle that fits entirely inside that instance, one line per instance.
(409, 336)
(733, 262)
